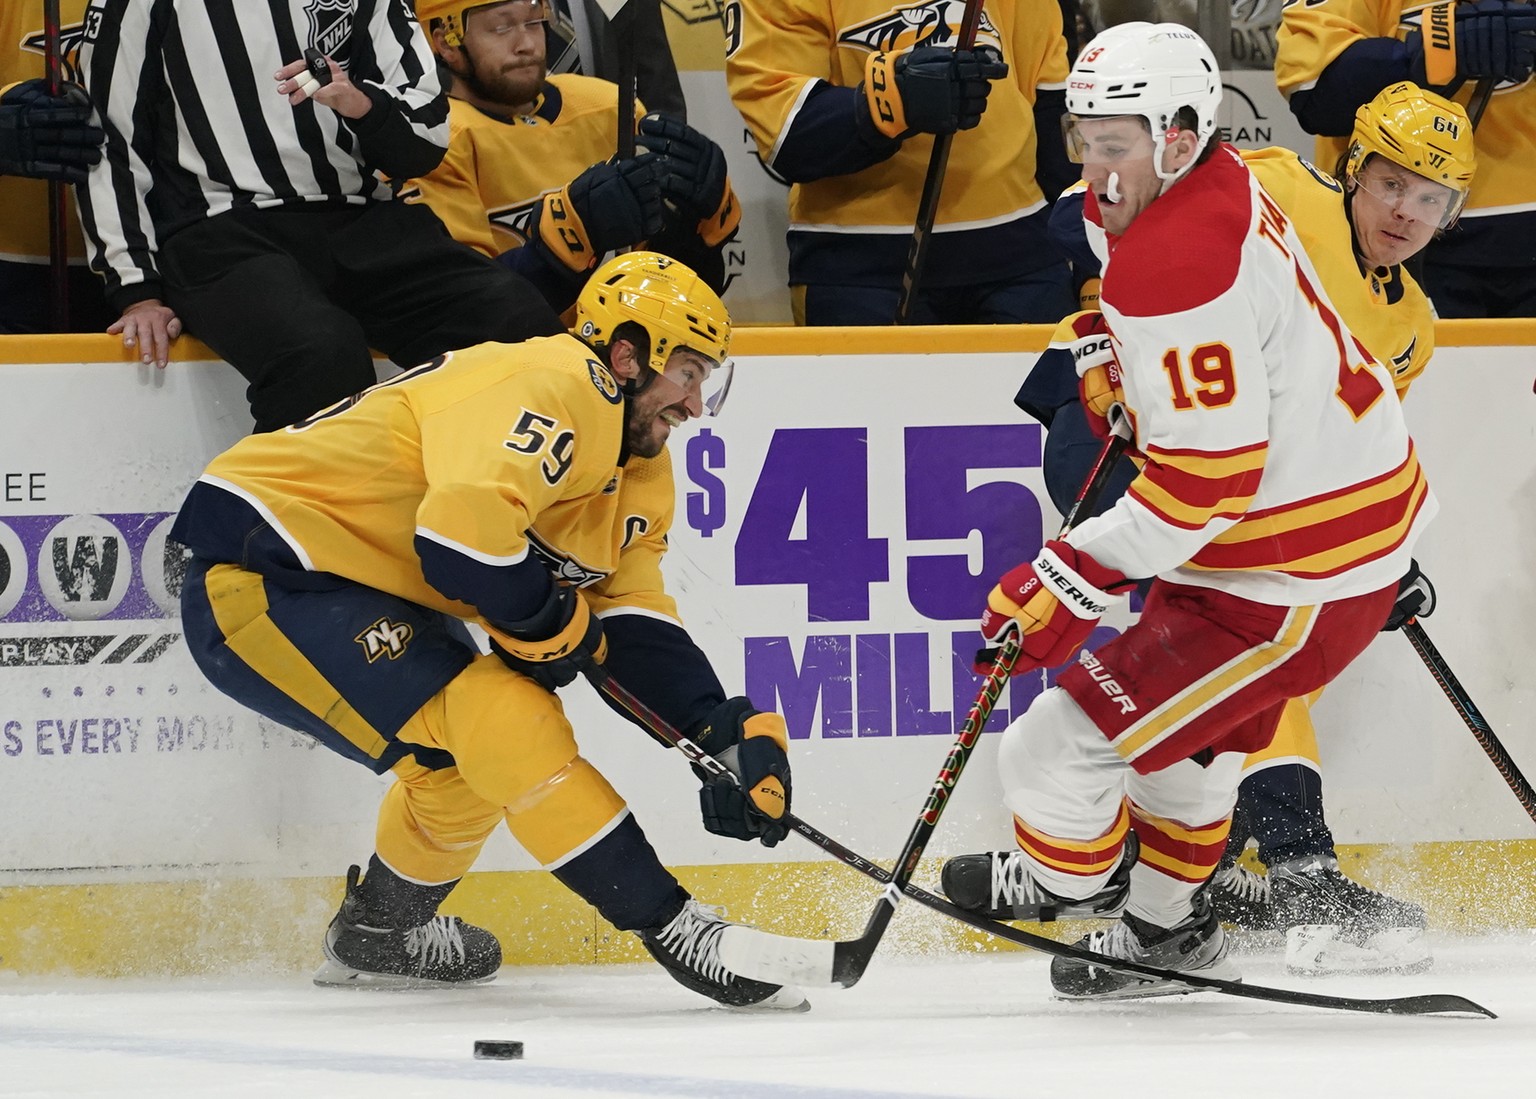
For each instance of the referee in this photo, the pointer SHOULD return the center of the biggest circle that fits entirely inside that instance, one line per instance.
(241, 195)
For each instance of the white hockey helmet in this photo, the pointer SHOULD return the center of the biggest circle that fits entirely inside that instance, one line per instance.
(1151, 70)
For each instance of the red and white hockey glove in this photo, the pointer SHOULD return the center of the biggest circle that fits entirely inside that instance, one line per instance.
(1055, 601)
(1086, 336)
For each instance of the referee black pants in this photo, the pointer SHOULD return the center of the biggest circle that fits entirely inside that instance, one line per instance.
(294, 298)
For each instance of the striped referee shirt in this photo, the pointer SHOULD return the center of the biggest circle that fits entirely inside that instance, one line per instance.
(195, 126)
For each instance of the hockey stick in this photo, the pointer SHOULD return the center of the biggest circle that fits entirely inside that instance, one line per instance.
(800, 960)
(848, 959)
(933, 184)
(621, 24)
(1430, 1004)
(1468, 710)
(853, 956)
(1479, 101)
(58, 237)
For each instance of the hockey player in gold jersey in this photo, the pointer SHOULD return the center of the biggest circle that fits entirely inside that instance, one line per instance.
(1336, 55)
(843, 98)
(42, 137)
(526, 488)
(531, 176)
(1406, 173)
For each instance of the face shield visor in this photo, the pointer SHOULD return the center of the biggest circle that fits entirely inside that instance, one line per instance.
(705, 380)
(517, 17)
(717, 387)
(1111, 141)
(1410, 195)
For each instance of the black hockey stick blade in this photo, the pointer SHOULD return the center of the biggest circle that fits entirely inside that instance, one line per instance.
(782, 960)
(848, 953)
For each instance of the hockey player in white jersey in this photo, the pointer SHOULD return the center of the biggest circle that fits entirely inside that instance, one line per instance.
(1277, 504)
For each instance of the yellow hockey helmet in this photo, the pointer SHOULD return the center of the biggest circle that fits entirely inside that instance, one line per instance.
(670, 301)
(1421, 131)
(452, 14)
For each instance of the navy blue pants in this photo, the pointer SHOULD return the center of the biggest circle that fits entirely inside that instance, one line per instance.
(334, 657)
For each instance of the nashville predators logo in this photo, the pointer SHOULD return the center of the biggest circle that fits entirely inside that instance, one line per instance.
(695, 11)
(385, 638)
(933, 23)
(517, 218)
(70, 40)
(561, 565)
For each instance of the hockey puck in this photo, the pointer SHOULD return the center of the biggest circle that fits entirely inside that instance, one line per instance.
(498, 1051)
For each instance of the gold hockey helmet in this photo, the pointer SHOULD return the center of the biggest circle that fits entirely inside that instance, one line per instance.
(453, 12)
(1421, 131)
(670, 301)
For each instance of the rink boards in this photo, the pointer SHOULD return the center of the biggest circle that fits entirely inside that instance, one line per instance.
(836, 530)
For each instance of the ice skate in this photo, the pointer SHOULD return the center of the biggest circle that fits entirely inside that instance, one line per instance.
(998, 884)
(1243, 898)
(1323, 950)
(1336, 925)
(1197, 946)
(1315, 890)
(443, 952)
(690, 949)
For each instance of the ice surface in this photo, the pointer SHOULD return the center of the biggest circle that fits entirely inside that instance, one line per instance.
(962, 1026)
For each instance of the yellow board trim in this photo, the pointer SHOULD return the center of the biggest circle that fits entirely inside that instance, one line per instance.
(174, 928)
(764, 340)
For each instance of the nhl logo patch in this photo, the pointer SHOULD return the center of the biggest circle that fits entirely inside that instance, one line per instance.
(330, 27)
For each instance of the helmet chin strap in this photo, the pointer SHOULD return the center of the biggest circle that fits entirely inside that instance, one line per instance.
(1169, 178)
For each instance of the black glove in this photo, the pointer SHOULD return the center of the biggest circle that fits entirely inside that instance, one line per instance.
(752, 745)
(1488, 39)
(562, 640)
(930, 90)
(692, 167)
(610, 205)
(1415, 599)
(47, 136)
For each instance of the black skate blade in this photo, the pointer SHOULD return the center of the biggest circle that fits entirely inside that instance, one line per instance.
(1151, 990)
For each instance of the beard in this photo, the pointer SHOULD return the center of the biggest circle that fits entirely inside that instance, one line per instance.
(513, 87)
(643, 437)
(645, 433)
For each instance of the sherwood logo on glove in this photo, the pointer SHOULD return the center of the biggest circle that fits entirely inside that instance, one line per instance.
(1078, 596)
